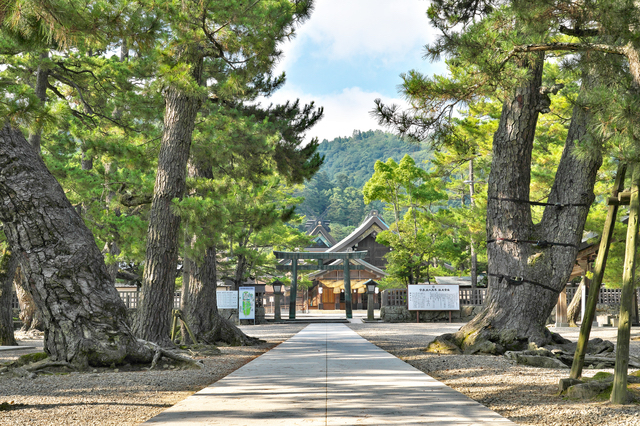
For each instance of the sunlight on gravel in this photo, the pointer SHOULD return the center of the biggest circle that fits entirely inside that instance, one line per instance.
(525, 395)
(120, 398)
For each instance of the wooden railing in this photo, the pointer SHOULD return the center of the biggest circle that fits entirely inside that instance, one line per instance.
(130, 299)
(398, 297)
(395, 297)
(607, 296)
(469, 296)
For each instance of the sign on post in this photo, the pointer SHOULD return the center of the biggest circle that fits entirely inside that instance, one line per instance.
(427, 297)
(227, 299)
(247, 299)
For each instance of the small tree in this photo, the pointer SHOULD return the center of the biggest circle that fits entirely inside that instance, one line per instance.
(418, 237)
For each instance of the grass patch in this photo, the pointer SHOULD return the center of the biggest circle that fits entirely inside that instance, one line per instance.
(31, 358)
(601, 376)
(605, 395)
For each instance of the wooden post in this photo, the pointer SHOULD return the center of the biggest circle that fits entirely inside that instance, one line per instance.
(347, 289)
(598, 273)
(293, 299)
(561, 310)
(619, 392)
(277, 312)
(174, 324)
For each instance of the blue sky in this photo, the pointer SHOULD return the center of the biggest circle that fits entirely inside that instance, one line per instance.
(351, 52)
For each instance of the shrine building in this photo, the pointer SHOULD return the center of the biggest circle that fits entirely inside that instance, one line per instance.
(327, 291)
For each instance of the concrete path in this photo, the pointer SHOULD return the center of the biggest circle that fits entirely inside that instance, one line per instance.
(327, 375)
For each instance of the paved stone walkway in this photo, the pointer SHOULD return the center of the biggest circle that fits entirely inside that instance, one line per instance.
(327, 375)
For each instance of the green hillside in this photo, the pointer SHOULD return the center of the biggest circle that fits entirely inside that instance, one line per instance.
(356, 155)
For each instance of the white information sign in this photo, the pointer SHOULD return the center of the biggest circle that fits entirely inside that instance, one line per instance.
(227, 299)
(427, 297)
(247, 308)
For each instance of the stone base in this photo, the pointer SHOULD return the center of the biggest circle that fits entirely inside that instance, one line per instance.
(395, 314)
(402, 314)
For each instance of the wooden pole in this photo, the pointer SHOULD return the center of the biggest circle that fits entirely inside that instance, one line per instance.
(174, 324)
(598, 273)
(619, 392)
(277, 311)
(293, 299)
(561, 310)
(347, 289)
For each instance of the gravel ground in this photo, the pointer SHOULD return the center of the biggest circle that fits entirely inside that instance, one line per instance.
(107, 397)
(525, 395)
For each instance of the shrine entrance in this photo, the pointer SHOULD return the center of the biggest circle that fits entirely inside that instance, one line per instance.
(346, 267)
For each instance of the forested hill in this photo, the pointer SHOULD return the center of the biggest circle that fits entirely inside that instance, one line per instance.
(356, 155)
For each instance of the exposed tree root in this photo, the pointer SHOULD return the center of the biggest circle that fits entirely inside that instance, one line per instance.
(161, 352)
(225, 331)
(46, 363)
(489, 341)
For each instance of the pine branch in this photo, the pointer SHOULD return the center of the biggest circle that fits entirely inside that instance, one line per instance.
(571, 47)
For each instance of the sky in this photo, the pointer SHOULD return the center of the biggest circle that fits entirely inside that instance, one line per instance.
(351, 52)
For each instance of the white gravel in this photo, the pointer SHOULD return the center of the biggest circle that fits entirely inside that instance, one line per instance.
(120, 398)
(527, 396)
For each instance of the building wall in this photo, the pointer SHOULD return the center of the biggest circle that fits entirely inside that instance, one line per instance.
(375, 251)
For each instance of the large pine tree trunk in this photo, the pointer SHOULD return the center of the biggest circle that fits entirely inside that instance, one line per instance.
(85, 319)
(199, 304)
(200, 308)
(8, 265)
(29, 314)
(525, 279)
(158, 285)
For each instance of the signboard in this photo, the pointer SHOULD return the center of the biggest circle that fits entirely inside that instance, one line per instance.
(427, 297)
(227, 299)
(247, 308)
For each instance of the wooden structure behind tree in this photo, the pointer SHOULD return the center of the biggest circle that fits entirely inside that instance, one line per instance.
(619, 391)
(600, 264)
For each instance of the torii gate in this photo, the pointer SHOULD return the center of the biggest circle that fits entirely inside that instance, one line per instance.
(294, 268)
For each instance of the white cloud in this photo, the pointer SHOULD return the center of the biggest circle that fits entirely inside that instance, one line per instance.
(343, 112)
(388, 30)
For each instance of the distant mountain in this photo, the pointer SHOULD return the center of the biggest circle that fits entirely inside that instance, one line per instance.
(356, 155)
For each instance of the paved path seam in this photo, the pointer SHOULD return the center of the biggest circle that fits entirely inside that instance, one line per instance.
(357, 384)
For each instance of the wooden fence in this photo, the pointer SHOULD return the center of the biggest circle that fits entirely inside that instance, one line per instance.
(468, 296)
(607, 296)
(130, 299)
(395, 297)
(398, 297)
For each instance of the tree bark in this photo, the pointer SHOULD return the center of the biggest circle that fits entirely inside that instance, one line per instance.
(85, 319)
(42, 80)
(8, 265)
(524, 278)
(29, 314)
(154, 313)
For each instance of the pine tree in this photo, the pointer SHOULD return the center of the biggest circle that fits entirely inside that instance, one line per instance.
(528, 263)
(234, 42)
